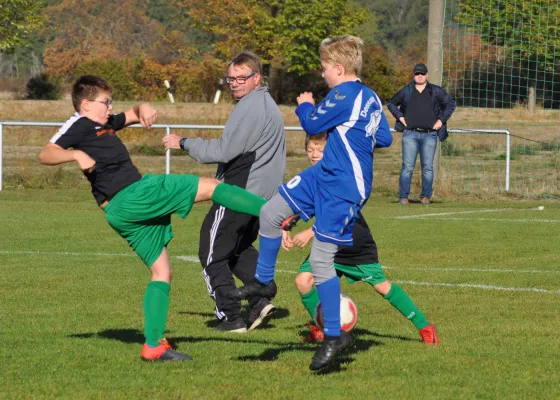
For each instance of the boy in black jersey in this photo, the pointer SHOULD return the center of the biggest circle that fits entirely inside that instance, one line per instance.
(357, 263)
(137, 207)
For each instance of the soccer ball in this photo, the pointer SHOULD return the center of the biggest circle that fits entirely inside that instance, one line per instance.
(348, 314)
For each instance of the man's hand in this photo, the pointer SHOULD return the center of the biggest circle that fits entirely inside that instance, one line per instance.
(171, 141)
(305, 97)
(86, 163)
(438, 125)
(147, 115)
(403, 121)
(302, 238)
(287, 242)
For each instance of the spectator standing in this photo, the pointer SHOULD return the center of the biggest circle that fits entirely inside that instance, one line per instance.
(422, 110)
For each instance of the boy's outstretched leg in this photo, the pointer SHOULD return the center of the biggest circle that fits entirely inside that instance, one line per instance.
(273, 213)
(230, 196)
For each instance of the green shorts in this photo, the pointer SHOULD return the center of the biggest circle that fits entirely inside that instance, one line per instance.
(141, 212)
(370, 273)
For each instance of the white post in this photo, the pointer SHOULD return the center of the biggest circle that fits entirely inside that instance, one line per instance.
(1, 155)
(167, 154)
(218, 91)
(169, 94)
(508, 156)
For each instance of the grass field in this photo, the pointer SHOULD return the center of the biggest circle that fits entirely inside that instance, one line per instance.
(485, 272)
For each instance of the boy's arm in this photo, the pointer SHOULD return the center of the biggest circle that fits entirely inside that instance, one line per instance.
(53, 154)
(383, 137)
(141, 112)
(243, 129)
(329, 113)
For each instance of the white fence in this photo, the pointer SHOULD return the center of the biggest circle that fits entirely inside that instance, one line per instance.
(221, 127)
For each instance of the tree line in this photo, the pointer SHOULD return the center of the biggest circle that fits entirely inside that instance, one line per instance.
(137, 44)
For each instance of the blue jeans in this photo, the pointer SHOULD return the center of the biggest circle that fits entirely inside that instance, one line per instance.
(413, 143)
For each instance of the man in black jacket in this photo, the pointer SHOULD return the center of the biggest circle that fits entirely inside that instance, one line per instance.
(422, 110)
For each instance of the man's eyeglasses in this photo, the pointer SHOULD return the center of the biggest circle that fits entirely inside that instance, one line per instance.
(240, 79)
(419, 73)
(106, 102)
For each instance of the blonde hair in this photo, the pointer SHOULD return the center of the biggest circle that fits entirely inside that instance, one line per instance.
(344, 50)
(319, 138)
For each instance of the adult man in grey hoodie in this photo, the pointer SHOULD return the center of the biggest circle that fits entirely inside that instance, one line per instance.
(250, 154)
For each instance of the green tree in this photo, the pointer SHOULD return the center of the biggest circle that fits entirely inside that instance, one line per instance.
(401, 23)
(528, 28)
(77, 31)
(285, 33)
(18, 18)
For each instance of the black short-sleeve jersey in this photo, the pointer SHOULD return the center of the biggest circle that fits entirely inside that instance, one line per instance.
(114, 169)
(364, 250)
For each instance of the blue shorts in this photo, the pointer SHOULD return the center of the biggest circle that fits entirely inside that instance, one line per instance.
(334, 217)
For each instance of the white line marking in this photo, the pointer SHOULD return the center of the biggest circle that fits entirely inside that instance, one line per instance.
(194, 259)
(189, 259)
(485, 287)
(452, 213)
(490, 270)
(67, 253)
(554, 221)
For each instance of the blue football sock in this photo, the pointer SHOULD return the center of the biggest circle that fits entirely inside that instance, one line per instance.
(329, 294)
(268, 251)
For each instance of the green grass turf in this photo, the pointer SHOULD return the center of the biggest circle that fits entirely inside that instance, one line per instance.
(71, 309)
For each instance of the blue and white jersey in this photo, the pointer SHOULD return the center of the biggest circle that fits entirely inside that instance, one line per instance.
(352, 115)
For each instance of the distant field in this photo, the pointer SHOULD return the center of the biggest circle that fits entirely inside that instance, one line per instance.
(485, 272)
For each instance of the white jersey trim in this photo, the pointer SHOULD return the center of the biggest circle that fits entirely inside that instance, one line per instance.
(65, 127)
(342, 130)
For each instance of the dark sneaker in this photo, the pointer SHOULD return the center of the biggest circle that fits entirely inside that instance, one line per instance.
(260, 312)
(329, 349)
(253, 289)
(237, 326)
(163, 352)
(315, 334)
(429, 334)
(289, 223)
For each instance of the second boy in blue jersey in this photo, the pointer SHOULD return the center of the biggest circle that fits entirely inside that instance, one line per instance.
(334, 190)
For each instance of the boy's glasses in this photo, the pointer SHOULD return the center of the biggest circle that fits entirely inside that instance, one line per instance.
(240, 79)
(419, 73)
(106, 102)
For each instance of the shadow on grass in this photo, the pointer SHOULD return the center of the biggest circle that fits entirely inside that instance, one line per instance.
(197, 314)
(360, 344)
(137, 336)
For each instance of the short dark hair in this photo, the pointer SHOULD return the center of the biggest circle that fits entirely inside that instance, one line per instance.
(88, 87)
(321, 137)
(249, 59)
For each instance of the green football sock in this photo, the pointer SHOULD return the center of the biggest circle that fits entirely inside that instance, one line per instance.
(310, 301)
(156, 305)
(237, 199)
(402, 302)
